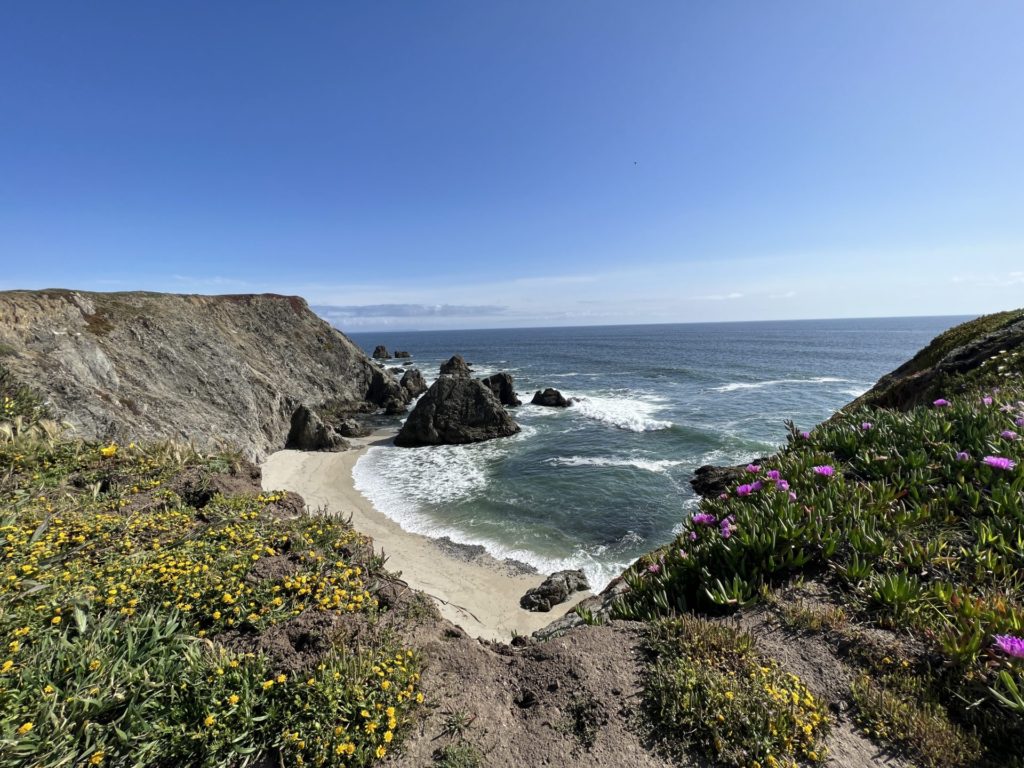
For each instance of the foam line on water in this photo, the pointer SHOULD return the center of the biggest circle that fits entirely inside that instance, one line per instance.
(735, 386)
(629, 413)
(658, 466)
(400, 482)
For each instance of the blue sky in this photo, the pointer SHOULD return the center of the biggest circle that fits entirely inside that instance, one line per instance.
(465, 164)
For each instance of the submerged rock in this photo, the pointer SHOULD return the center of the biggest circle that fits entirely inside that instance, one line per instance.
(502, 386)
(413, 382)
(551, 398)
(402, 354)
(555, 589)
(455, 366)
(309, 433)
(380, 352)
(456, 410)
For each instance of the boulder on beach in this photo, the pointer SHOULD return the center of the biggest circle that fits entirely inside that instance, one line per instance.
(555, 589)
(352, 428)
(402, 354)
(380, 352)
(413, 382)
(455, 366)
(309, 433)
(551, 398)
(502, 386)
(456, 410)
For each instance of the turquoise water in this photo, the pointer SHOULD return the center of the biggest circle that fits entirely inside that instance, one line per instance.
(598, 484)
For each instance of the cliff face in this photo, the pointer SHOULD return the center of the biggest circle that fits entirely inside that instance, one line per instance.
(987, 347)
(208, 369)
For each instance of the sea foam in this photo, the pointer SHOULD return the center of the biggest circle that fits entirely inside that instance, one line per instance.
(648, 465)
(735, 386)
(629, 413)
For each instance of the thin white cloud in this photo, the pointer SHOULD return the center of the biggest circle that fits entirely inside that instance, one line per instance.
(719, 297)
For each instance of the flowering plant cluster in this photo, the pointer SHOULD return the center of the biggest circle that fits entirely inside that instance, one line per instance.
(918, 517)
(125, 606)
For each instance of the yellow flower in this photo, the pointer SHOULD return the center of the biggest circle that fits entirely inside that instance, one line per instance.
(25, 728)
(97, 758)
(385, 684)
(419, 698)
(209, 720)
(268, 684)
(55, 620)
(6, 667)
(94, 665)
(388, 736)
(282, 678)
(109, 450)
(233, 699)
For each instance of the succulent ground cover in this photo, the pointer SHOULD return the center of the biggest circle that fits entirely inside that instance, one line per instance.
(147, 619)
(914, 521)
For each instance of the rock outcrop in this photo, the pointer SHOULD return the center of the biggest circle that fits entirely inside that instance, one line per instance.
(502, 386)
(455, 410)
(710, 481)
(352, 428)
(402, 354)
(551, 398)
(413, 382)
(555, 589)
(455, 366)
(206, 369)
(967, 347)
(309, 433)
(380, 352)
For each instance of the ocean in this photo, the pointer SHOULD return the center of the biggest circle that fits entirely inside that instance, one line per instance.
(598, 484)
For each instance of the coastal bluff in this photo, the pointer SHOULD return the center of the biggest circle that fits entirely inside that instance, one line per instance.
(212, 370)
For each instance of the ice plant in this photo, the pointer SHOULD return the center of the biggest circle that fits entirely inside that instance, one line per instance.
(1010, 645)
(726, 526)
(753, 468)
(999, 462)
(773, 474)
(653, 568)
(825, 470)
(1019, 421)
(1008, 434)
(963, 456)
(744, 490)
(757, 485)
(792, 496)
(941, 402)
(805, 435)
(866, 425)
(782, 485)
(704, 518)
(986, 400)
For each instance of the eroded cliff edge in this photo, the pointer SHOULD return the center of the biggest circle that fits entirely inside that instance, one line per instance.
(228, 370)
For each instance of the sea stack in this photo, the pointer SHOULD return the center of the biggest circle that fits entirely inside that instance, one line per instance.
(456, 410)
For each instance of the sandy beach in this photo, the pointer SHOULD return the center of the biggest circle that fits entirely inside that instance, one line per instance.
(478, 593)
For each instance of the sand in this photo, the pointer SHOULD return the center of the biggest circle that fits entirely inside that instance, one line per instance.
(478, 593)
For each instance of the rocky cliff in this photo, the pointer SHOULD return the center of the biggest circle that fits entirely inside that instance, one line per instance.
(229, 370)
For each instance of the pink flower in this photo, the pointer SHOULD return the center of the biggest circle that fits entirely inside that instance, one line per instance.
(757, 485)
(782, 485)
(1019, 421)
(653, 568)
(693, 535)
(986, 401)
(1010, 645)
(704, 518)
(1008, 434)
(753, 468)
(792, 496)
(805, 435)
(825, 470)
(963, 456)
(744, 490)
(682, 554)
(999, 462)
(940, 403)
(726, 527)
(866, 425)
(773, 474)
(723, 496)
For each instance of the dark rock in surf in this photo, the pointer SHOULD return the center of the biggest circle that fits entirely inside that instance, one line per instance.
(380, 352)
(456, 410)
(402, 354)
(555, 589)
(551, 398)
(502, 386)
(413, 382)
(455, 366)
